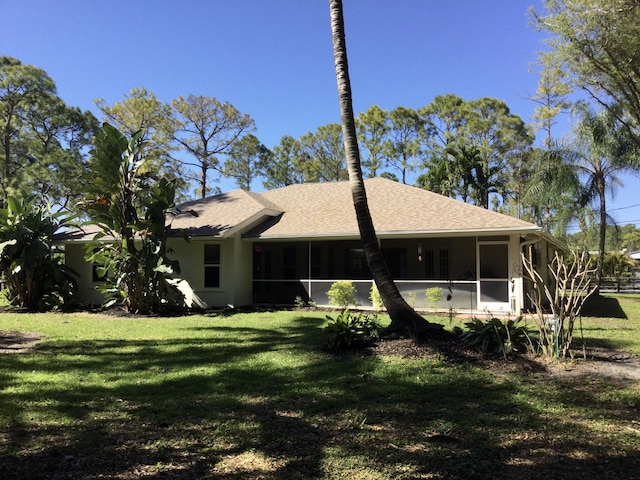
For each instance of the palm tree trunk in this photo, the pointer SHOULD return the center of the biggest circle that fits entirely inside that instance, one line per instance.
(403, 317)
(602, 233)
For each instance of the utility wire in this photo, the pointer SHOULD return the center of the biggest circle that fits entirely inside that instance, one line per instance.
(623, 208)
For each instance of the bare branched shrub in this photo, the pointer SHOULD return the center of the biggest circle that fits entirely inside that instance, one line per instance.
(558, 304)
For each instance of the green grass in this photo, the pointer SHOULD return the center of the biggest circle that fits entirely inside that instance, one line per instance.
(255, 396)
(612, 321)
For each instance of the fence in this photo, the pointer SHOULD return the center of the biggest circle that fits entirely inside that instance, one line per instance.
(621, 284)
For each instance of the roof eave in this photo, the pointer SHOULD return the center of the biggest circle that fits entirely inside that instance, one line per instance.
(405, 233)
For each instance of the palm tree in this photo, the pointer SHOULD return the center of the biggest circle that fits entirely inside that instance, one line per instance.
(570, 180)
(403, 317)
(604, 151)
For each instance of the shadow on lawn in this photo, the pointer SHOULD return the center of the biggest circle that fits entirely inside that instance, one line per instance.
(223, 407)
(600, 306)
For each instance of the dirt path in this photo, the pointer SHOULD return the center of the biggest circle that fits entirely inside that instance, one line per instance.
(17, 342)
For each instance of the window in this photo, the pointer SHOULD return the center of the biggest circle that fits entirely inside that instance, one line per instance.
(436, 266)
(316, 262)
(396, 260)
(212, 266)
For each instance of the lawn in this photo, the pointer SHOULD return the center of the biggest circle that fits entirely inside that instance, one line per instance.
(255, 396)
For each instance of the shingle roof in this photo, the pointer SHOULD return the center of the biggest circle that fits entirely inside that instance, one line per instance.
(326, 209)
(311, 210)
(222, 214)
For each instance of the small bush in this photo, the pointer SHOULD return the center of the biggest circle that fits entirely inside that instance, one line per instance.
(351, 330)
(496, 336)
(411, 299)
(300, 303)
(342, 294)
(434, 294)
(376, 299)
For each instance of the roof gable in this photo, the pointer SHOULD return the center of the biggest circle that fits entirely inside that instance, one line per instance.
(224, 214)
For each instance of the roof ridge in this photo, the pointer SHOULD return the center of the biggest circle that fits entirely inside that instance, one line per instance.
(262, 201)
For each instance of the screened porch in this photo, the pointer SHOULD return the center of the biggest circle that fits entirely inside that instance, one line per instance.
(472, 273)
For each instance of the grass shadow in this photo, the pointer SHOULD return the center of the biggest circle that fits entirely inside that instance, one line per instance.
(233, 402)
(603, 307)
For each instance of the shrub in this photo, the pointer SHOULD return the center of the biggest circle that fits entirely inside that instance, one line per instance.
(32, 272)
(496, 336)
(350, 330)
(131, 207)
(411, 299)
(342, 294)
(571, 284)
(300, 303)
(434, 294)
(376, 298)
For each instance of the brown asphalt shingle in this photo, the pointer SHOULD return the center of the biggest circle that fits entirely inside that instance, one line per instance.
(312, 210)
(326, 209)
(219, 214)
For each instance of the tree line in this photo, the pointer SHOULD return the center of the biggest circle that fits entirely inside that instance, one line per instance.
(473, 150)
(199, 139)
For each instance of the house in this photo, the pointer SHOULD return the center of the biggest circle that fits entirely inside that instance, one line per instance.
(269, 248)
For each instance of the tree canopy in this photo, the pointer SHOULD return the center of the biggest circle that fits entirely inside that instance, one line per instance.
(475, 150)
(44, 141)
(597, 43)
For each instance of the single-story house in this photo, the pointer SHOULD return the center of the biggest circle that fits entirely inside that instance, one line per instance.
(270, 248)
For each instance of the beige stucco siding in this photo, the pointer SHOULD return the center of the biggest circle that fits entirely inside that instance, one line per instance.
(74, 259)
(235, 270)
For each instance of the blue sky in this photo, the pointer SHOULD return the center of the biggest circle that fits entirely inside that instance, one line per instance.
(273, 59)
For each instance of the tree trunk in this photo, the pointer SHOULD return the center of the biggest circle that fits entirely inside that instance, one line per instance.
(602, 233)
(403, 317)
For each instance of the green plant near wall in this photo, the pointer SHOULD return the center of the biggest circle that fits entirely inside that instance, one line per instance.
(342, 293)
(376, 298)
(411, 299)
(434, 294)
(129, 205)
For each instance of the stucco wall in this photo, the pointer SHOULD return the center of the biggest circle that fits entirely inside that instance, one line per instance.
(74, 258)
(235, 270)
(235, 281)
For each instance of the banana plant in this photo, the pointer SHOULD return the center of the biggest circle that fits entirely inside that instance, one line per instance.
(32, 268)
(129, 206)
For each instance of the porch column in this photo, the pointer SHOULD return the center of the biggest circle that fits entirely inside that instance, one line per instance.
(516, 289)
(309, 270)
